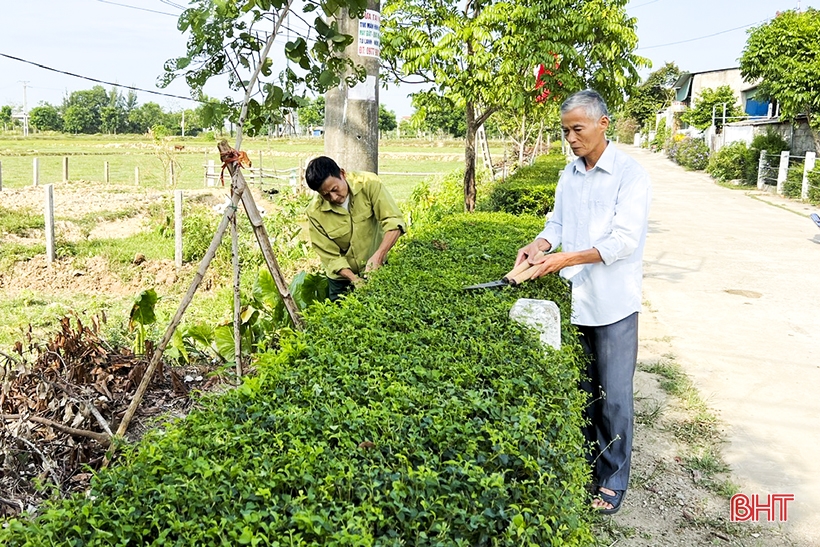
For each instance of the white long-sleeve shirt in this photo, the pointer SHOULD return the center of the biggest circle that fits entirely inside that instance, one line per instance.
(606, 208)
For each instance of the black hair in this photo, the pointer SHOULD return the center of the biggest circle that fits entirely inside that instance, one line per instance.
(319, 169)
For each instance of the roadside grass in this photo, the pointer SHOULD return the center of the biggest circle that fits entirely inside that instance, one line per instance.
(697, 429)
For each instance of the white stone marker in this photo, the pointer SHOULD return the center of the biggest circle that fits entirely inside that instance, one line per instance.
(542, 315)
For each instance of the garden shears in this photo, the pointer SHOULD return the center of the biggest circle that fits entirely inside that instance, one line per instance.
(515, 277)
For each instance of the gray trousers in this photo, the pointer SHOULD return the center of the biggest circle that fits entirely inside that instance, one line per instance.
(613, 352)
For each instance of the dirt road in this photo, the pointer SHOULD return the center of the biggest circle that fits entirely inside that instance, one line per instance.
(735, 278)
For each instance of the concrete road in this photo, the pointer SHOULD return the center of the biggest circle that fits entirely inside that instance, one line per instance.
(735, 278)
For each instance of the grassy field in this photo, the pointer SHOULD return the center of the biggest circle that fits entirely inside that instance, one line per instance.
(89, 154)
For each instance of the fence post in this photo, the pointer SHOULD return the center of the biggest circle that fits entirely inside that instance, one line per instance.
(36, 169)
(761, 170)
(811, 158)
(51, 254)
(65, 168)
(137, 175)
(178, 228)
(783, 172)
(210, 174)
(107, 173)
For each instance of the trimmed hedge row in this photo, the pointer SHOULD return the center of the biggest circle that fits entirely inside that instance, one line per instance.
(530, 190)
(414, 413)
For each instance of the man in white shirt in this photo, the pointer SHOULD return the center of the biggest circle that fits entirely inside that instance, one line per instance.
(600, 223)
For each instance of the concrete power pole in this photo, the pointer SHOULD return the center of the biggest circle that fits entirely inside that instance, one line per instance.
(352, 114)
(25, 110)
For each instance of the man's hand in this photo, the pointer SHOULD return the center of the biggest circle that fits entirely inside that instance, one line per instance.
(348, 274)
(558, 261)
(375, 262)
(534, 252)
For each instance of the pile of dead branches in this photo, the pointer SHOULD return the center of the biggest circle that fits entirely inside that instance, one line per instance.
(60, 402)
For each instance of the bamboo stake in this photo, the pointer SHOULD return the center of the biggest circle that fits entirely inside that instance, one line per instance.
(237, 303)
(263, 240)
(230, 211)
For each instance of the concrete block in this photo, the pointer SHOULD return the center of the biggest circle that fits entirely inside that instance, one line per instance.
(542, 315)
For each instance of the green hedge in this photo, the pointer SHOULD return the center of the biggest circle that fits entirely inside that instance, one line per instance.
(814, 186)
(734, 162)
(530, 190)
(414, 413)
(793, 185)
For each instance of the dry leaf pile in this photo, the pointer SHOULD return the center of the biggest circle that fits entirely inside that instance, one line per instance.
(61, 401)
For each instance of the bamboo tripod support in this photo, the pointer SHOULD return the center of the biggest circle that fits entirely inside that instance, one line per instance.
(238, 194)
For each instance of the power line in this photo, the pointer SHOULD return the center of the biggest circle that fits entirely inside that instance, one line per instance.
(99, 81)
(173, 4)
(644, 4)
(702, 37)
(138, 8)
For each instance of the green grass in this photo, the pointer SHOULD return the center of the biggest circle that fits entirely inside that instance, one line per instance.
(19, 222)
(88, 154)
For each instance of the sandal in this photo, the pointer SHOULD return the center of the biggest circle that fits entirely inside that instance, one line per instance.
(615, 501)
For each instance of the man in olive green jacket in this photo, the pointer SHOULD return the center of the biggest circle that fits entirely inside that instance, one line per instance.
(354, 222)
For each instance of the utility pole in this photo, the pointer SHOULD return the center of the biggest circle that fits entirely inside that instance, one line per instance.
(352, 114)
(25, 110)
(183, 123)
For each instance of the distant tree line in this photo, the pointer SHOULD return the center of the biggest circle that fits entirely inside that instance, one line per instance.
(312, 115)
(112, 112)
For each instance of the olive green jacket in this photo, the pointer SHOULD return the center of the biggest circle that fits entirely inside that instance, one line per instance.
(347, 239)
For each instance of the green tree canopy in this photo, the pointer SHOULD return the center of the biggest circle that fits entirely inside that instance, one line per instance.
(653, 95)
(785, 53)
(146, 116)
(482, 54)
(312, 113)
(5, 115)
(387, 119)
(46, 117)
(438, 114)
(82, 110)
(711, 101)
(232, 39)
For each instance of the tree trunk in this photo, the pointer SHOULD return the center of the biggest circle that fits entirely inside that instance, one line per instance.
(523, 146)
(469, 159)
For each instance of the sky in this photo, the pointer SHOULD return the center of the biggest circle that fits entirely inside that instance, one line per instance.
(115, 43)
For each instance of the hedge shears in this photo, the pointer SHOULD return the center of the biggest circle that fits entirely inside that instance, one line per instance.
(516, 276)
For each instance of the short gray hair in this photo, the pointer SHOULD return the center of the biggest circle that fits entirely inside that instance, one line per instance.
(588, 99)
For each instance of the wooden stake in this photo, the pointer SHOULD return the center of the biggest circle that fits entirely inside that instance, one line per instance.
(51, 253)
(230, 211)
(178, 228)
(136, 176)
(262, 238)
(107, 172)
(65, 168)
(237, 300)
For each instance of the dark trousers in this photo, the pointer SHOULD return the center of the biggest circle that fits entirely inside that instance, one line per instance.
(613, 352)
(338, 287)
